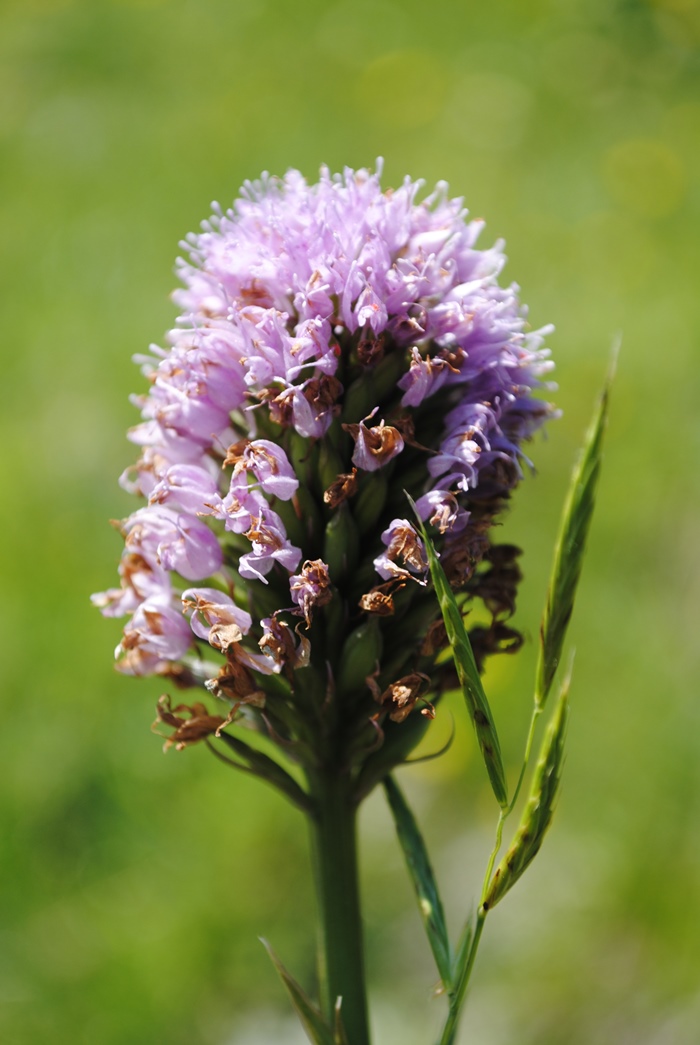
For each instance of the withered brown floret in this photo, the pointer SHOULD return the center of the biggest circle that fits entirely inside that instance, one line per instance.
(197, 726)
(342, 487)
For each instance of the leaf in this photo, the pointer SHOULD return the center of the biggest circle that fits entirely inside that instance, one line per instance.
(570, 547)
(538, 812)
(339, 1035)
(467, 671)
(263, 766)
(421, 872)
(317, 1030)
(462, 955)
(464, 963)
(460, 964)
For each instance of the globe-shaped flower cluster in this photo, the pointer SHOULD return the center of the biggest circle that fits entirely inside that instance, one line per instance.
(339, 347)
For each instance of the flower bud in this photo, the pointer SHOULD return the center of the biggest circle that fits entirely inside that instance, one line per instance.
(360, 656)
(341, 544)
(369, 503)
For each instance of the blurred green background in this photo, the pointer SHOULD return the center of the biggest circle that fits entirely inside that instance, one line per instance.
(133, 886)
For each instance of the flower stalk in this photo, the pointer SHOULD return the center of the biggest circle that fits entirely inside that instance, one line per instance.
(341, 966)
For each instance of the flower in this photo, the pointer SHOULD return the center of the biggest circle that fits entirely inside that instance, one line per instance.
(337, 346)
(311, 588)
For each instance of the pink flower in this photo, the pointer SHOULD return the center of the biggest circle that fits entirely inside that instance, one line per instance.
(155, 635)
(374, 447)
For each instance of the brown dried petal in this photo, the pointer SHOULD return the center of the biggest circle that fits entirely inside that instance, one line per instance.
(180, 675)
(497, 587)
(377, 601)
(199, 725)
(405, 425)
(223, 636)
(407, 429)
(235, 452)
(323, 392)
(463, 553)
(406, 545)
(370, 350)
(278, 642)
(453, 357)
(236, 683)
(503, 554)
(400, 697)
(499, 638)
(379, 444)
(435, 638)
(311, 587)
(280, 405)
(342, 487)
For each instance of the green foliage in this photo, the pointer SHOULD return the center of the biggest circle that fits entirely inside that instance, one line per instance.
(317, 1030)
(424, 884)
(261, 765)
(539, 810)
(570, 549)
(537, 815)
(472, 688)
(463, 965)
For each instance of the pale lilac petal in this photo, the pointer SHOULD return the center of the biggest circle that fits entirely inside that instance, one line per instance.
(188, 487)
(191, 549)
(214, 607)
(270, 466)
(158, 629)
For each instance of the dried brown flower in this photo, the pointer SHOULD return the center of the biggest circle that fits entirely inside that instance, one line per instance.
(342, 487)
(199, 725)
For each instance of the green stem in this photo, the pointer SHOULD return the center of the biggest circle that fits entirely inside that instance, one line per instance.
(341, 956)
(460, 988)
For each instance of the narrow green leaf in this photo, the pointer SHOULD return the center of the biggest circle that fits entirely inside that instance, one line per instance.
(539, 810)
(339, 1034)
(462, 953)
(467, 671)
(421, 872)
(570, 547)
(263, 766)
(317, 1030)
(464, 963)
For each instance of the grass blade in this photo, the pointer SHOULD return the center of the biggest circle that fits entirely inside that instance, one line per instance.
(421, 872)
(570, 547)
(464, 963)
(539, 810)
(317, 1030)
(469, 677)
(339, 1035)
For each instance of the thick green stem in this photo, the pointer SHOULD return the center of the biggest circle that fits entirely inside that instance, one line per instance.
(341, 957)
